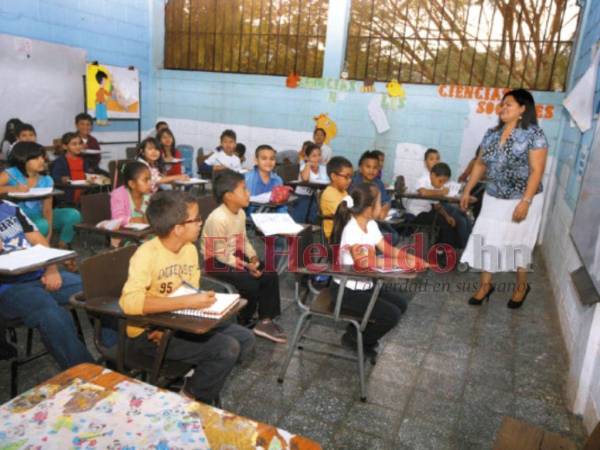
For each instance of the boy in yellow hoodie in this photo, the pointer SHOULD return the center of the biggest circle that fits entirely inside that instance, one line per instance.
(158, 268)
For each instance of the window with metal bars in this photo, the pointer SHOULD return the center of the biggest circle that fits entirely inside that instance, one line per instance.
(513, 43)
(271, 37)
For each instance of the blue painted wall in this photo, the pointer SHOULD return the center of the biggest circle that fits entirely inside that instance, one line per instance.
(575, 146)
(264, 101)
(112, 32)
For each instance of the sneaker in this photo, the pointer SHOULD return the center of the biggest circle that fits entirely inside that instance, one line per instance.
(270, 330)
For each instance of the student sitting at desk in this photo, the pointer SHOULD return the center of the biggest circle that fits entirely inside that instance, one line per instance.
(38, 297)
(358, 236)
(24, 133)
(149, 154)
(169, 151)
(27, 170)
(229, 255)
(226, 158)
(339, 171)
(262, 179)
(158, 268)
(71, 166)
(368, 170)
(311, 169)
(84, 125)
(129, 202)
(453, 231)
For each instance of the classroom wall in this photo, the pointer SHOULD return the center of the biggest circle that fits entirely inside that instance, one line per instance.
(112, 32)
(426, 118)
(580, 324)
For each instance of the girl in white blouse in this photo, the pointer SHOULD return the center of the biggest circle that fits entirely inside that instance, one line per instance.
(358, 237)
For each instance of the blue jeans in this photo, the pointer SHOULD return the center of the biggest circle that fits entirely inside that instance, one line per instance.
(42, 309)
(463, 224)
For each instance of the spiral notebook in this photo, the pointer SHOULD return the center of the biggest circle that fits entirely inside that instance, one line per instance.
(224, 304)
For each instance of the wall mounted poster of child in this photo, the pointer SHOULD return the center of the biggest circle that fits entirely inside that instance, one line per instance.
(112, 92)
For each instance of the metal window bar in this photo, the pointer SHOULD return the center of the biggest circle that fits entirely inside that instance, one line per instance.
(223, 36)
(524, 43)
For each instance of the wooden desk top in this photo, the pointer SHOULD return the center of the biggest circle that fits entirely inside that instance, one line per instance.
(29, 198)
(291, 200)
(91, 405)
(136, 235)
(180, 322)
(437, 198)
(308, 184)
(349, 271)
(39, 266)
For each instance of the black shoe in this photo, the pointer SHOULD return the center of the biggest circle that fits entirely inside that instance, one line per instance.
(479, 301)
(516, 305)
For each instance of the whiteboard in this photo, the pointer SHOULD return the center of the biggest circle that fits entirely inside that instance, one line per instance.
(41, 84)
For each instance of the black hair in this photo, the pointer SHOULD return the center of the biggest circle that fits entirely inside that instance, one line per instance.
(524, 98)
(159, 136)
(429, 152)
(83, 116)
(240, 149)
(132, 170)
(441, 170)
(159, 123)
(68, 137)
(320, 129)
(310, 147)
(369, 154)
(228, 133)
(336, 164)
(225, 181)
(378, 153)
(263, 147)
(306, 144)
(160, 163)
(25, 127)
(167, 209)
(10, 131)
(101, 75)
(363, 195)
(23, 152)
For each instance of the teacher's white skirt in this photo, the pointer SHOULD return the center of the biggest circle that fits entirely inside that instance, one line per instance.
(497, 244)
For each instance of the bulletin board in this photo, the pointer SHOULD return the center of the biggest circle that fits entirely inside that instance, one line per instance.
(39, 84)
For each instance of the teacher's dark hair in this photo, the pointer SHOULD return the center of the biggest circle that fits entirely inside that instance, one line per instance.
(523, 98)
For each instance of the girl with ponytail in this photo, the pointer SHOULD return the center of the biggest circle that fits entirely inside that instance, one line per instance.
(358, 237)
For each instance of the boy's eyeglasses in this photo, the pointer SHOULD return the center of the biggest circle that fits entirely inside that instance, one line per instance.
(347, 177)
(196, 220)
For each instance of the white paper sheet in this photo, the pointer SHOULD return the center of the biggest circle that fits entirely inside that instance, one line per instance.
(28, 257)
(261, 198)
(32, 192)
(377, 114)
(276, 223)
(137, 226)
(192, 181)
(580, 101)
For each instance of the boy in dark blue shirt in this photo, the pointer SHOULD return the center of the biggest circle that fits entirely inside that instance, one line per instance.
(37, 297)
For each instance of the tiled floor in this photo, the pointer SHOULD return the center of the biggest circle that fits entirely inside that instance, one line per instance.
(445, 377)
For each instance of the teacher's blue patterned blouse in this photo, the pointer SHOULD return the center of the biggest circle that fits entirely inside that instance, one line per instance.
(508, 164)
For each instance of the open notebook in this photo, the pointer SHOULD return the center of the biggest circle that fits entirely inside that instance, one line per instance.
(224, 303)
(39, 254)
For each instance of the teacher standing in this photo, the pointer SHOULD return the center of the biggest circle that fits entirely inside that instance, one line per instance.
(512, 157)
